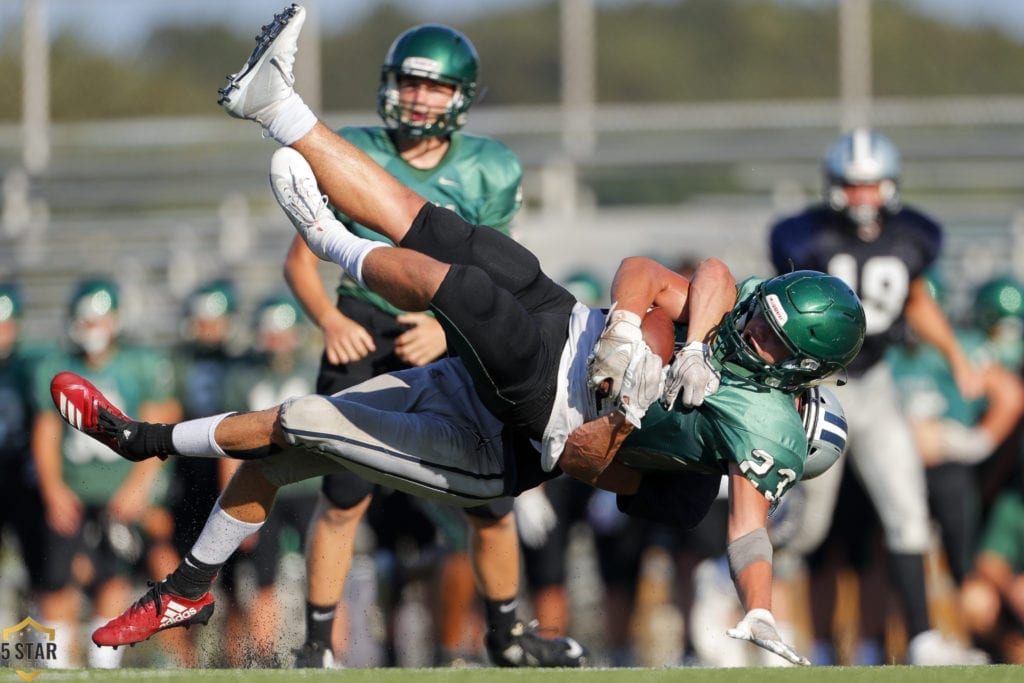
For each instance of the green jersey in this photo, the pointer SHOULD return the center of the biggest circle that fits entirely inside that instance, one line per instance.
(759, 429)
(479, 179)
(926, 383)
(756, 427)
(17, 409)
(253, 384)
(133, 376)
(1004, 532)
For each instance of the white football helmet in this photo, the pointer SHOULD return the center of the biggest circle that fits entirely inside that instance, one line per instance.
(825, 424)
(862, 157)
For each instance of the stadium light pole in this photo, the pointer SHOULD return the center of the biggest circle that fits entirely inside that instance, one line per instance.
(35, 88)
(578, 76)
(308, 79)
(577, 41)
(854, 63)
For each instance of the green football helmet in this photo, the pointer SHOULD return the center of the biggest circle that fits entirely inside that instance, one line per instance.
(214, 299)
(10, 301)
(816, 316)
(587, 287)
(277, 313)
(998, 299)
(93, 298)
(437, 53)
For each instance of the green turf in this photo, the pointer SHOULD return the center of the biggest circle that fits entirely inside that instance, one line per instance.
(885, 674)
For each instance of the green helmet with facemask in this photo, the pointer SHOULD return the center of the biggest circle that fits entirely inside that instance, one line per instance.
(277, 313)
(1001, 298)
(213, 299)
(10, 301)
(437, 53)
(93, 299)
(817, 317)
(999, 313)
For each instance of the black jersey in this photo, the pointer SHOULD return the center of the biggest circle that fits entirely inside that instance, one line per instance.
(880, 271)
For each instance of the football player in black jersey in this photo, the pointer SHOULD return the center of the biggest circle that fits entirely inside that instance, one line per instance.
(864, 234)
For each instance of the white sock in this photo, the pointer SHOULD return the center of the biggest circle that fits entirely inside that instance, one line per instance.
(349, 251)
(290, 120)
(221, 536)
(65, 635)
(104, 657)
(195, 437)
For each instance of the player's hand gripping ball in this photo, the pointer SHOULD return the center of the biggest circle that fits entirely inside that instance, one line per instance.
(644, 379)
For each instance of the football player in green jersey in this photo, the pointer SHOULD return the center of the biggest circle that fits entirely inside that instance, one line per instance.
(518, 405)
(21, 510)
(429, 81)
(953, 434)
(94, 504)
(276, 368)
(992, 597)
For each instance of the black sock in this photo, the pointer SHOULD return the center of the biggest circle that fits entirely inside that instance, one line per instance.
(148, 439)
(319, 621)
(908, 575)
(501, 614)
(192, 578)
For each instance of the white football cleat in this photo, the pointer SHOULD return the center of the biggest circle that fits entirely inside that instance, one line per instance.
(295, 189)
(932, 648)
(257, 90)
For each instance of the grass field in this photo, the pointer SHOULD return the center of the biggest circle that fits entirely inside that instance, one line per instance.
(884, 674)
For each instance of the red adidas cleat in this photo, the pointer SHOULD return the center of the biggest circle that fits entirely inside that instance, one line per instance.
(155, 611)
(85, 408)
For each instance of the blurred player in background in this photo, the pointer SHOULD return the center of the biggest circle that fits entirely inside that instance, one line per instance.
(276, 369)
(429, 82)
(21, 509)
(992, 595)
(955, 435)
(863, 234)
(95, 505)
(201, 362)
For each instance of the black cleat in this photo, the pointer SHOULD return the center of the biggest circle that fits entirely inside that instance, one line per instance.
(522, 647)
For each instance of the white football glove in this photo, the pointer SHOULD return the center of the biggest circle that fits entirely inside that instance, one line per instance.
(758, 626)
(614, 351)
(642, 383)
(692, 372)
(962, 444)
(535, 517)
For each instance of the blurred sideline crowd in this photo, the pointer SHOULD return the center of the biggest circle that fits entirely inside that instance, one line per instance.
(911, 549)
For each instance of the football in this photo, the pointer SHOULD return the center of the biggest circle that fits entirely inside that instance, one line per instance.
(659, 333)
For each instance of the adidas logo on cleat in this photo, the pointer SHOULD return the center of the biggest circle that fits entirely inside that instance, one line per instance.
(176, 612)
(69, 412)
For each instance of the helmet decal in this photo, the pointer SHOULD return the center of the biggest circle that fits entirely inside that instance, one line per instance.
(421, 66)
(773, 305)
